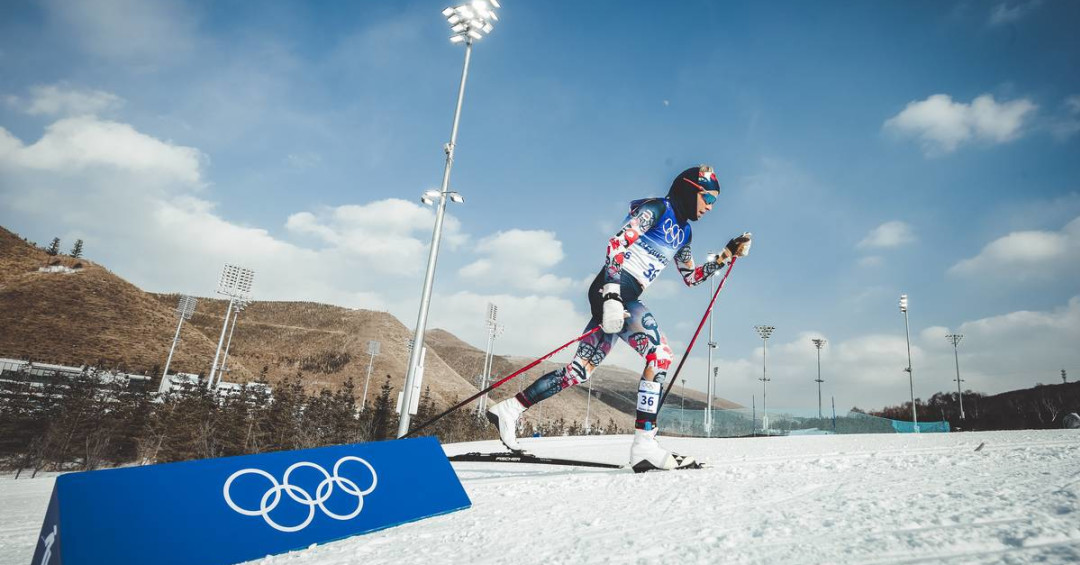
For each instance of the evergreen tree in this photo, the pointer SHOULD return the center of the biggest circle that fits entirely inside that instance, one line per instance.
(382, 417)
(76, 250)
(54, 247)
(284, 418)
(424, 411)
(343, 416)
(318, 426)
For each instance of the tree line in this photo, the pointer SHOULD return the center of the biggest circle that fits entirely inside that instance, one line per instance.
(92, 420)
(54, 248)
(1041, 407)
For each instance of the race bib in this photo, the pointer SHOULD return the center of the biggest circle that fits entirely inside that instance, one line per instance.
(649, 396)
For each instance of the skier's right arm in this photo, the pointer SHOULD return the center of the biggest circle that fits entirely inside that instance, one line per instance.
(642, 219)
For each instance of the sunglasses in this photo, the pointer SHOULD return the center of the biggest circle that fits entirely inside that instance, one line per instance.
(708, 198)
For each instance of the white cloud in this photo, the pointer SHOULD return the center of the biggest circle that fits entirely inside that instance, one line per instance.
(76, 144)
(942, 125)
(305, 160)
(534, 324)
(1008, 12)
(140, 204)
(391, 235)
(1067, 123)
(136, 199)
(132, 31)
(519, 259)
(890, 234)
(663, 289)
(871, 261)
(1073, 104)
(1026, 255)
(61, 100)
(998, 353)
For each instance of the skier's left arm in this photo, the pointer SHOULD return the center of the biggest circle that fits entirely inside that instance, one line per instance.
(694, 275)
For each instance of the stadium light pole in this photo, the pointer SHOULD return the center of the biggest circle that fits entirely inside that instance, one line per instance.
(373, 350)
(682, 407)
(764, 332)
(588, 407)
(184, 310)
(494, 330)
(240, 305)
(818, 343)
(711, 257)
(709, 408)
(236, 284)
(468, 22)
(954, 339)
(911, 377)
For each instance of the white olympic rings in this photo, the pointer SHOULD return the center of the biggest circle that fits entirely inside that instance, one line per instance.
(673, 234)
(322, 493)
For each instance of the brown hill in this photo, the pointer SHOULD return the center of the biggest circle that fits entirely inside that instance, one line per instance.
(84, 314)
(326, 343)
(614, 388)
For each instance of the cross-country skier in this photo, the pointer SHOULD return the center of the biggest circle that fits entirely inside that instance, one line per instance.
(656, 231)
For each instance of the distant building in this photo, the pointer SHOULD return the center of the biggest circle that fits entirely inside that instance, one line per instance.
(47, 373)
(41, 374)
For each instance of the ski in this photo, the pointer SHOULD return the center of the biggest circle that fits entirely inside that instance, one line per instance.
(522, 457)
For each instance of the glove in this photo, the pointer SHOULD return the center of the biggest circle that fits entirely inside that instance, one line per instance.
(740, 246)
(614, 313)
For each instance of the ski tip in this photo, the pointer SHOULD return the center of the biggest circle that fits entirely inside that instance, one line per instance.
(981, 445)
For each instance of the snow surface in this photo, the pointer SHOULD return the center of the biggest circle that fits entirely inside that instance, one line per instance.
(802, 499)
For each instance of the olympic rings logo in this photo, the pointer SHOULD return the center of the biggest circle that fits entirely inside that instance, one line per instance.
(323, 492)
(673, 234)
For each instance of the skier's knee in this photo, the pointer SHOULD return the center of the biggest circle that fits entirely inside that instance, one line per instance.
(658, 360)
(577, 372)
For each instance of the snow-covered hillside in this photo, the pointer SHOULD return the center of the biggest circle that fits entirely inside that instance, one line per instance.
(807, 499)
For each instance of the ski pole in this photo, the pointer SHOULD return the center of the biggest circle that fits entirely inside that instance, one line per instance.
(499, 383)
(692, 340)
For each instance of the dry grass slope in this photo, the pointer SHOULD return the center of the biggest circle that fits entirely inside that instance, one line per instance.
(92, 316)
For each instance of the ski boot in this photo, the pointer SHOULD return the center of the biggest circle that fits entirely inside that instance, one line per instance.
(505, 417)
(647, 455)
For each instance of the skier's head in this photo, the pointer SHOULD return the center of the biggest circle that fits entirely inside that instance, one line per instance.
(694, 192)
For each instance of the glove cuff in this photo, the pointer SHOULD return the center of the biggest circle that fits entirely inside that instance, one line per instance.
(610, 291)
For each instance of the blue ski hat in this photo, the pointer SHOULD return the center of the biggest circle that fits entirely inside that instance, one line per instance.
(687, 186)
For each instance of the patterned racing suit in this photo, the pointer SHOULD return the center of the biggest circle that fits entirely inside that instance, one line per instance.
(652, 236)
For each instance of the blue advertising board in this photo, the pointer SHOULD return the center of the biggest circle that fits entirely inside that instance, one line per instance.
(235, 509)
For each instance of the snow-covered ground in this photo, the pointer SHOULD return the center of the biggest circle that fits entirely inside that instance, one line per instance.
(805, 499)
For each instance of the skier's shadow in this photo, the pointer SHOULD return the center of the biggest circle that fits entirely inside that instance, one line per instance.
(487, 475)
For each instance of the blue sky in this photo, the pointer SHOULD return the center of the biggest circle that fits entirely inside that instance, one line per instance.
(872, 148)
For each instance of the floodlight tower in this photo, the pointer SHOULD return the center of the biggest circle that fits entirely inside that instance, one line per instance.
(468, 22)
(911, 378)
(236, 284)
(588, 407)
(710, 258)
(818, 343)
(240, 305)
(764, 332)
(494, 331)
(709, 408)
(184, 310)
(954, 339)
(373, 350)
